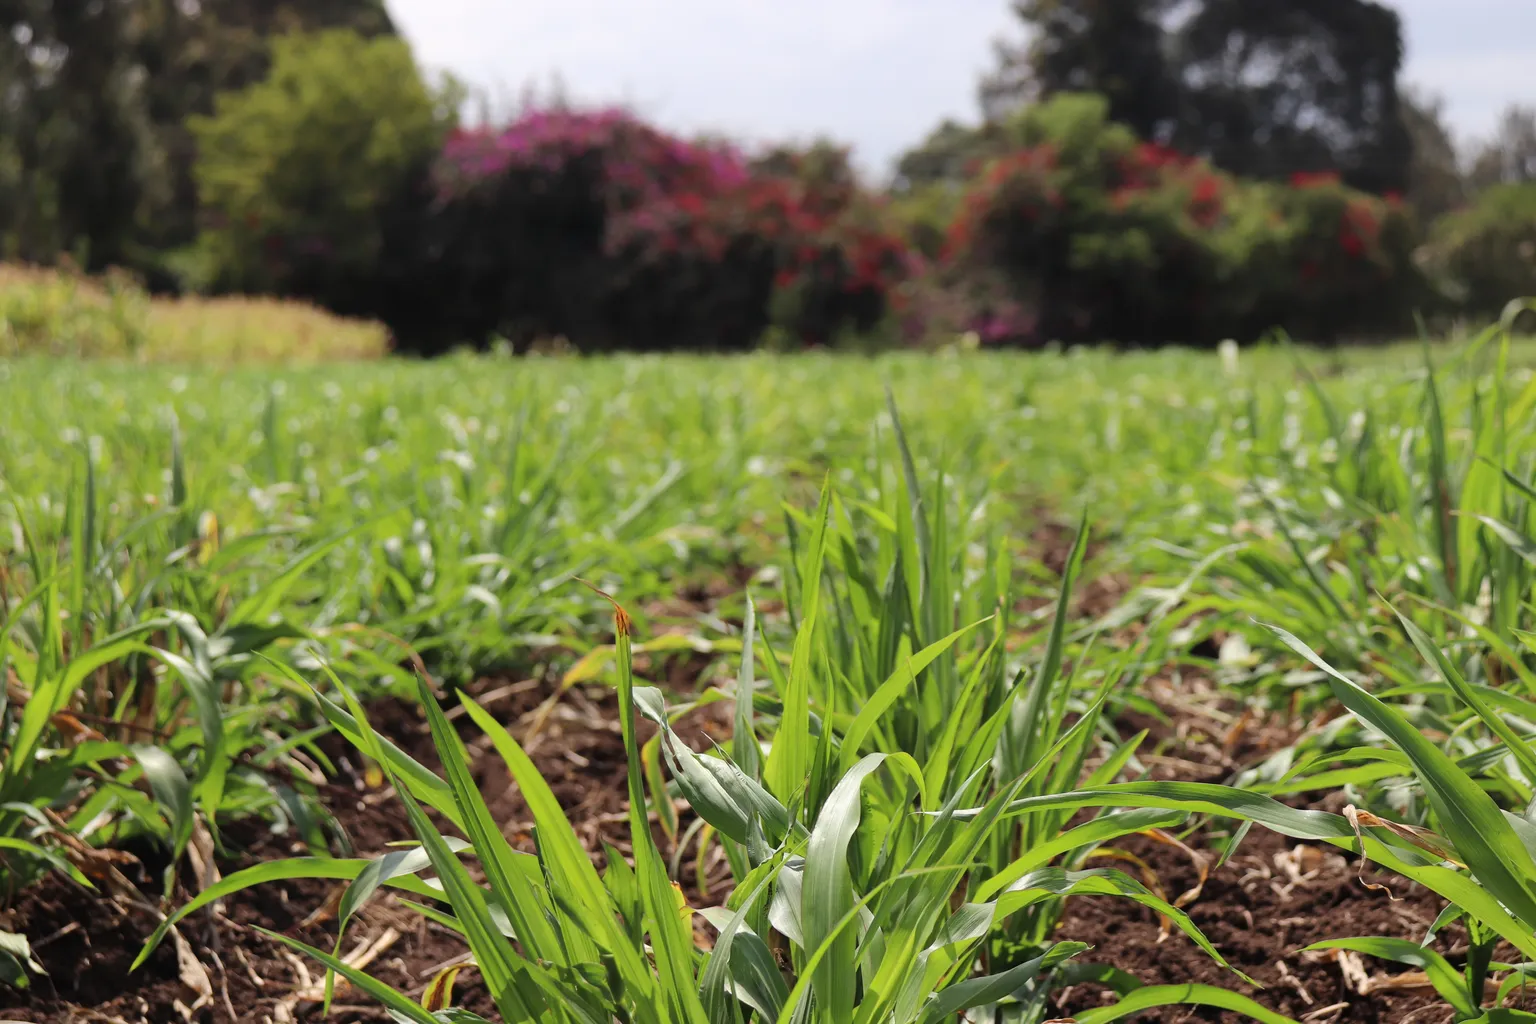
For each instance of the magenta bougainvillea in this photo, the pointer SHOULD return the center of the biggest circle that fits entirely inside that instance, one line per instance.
(675, 217)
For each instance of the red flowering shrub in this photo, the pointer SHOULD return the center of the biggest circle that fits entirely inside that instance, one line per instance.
(1349, 260)
(1314, 179)
(598, 227)
(1086, 234)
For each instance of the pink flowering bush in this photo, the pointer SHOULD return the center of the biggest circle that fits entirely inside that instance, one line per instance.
(598, 227)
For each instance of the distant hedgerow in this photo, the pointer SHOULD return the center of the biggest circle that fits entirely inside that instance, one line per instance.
(598, 227)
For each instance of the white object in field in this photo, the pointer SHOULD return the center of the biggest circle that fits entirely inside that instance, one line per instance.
(1228, 350)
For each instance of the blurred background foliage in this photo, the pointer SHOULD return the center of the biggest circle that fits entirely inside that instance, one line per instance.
(1144, 171)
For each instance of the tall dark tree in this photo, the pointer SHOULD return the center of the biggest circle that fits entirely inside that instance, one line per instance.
(95, 158)
(1117, 48)
(1272, 89)
(1263, 89)
(77, 157)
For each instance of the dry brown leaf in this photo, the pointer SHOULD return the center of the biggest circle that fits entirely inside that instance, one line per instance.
(72, 729)
(201, 853)
(191, 972)
(327, 910)
(1201, 861)
(1423, 838)
(15, 693)
(1234, 735)
(361, 956)
(1407, 981)
(99, 865)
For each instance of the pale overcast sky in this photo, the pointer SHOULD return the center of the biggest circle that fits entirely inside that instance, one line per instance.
(874, 73)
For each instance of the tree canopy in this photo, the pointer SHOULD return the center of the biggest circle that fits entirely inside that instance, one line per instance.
(299, 163)
(1264, 90)
(1116, 48)
(95, 157)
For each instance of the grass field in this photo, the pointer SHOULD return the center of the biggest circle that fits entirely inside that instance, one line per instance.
(1028, 640)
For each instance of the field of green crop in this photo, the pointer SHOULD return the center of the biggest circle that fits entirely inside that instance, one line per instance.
(986, 643)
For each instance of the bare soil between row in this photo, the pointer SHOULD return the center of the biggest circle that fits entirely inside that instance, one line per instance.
(1266, 902)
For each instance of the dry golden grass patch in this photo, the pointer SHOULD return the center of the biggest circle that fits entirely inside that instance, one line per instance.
(63, 313)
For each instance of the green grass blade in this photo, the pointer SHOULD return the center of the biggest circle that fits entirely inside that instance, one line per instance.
(204, 691)
(1153, 996)
(1517, 541)
(719, 792)
(890, 691)
(575, 884)
(504, 971)
(1030, 727)
(1519, 746)
(1445, 978)
(994, 987)
(828, 890)
(528, 913)
(269, 871)
(52, 694)
(1442, 501)
(744, 749)
(399, 1004)
(262, 605)
(1315, 826)
(1050, 882)
(914, 494)
(422, 783)
(1468, 816)
(671, 936)
(789, 757)
(172, 792)
(1091, 833)
(741, 958)
(381, 870)
(48, 857)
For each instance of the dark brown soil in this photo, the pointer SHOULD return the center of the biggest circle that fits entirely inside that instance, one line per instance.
(1273, 897)
(86, 941)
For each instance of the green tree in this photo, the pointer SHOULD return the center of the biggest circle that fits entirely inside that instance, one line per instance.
(1484, 255)
(1264, 90)
(293, 171)
(949, 154)
(78, 161)
(1274, 89)
(95, 156)
(190, 52)
(1117, 48)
